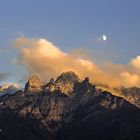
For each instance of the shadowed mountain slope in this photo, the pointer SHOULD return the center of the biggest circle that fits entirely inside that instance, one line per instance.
(67, 109)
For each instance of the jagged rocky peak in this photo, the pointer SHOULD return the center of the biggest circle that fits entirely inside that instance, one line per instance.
(69, 76)
(34, 84)
(66, 82)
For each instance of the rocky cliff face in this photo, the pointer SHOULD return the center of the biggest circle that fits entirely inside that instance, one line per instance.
(65, 83)
(131, 94)
(34, 84)
(70, 110)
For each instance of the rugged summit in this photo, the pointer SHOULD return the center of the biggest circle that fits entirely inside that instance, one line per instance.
(70, 110)
(34, 84)
(65, 83)
(66, 77)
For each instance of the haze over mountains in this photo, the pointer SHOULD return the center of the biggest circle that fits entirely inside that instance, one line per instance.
(68, 108)
(9, 88)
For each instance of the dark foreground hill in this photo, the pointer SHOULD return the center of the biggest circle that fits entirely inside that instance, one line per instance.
(67, 109)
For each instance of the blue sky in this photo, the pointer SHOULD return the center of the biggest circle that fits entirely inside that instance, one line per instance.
(71, 24)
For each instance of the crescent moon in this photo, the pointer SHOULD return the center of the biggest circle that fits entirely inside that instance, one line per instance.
(104, 37)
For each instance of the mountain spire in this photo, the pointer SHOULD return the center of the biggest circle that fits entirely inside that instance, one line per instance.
(34, 84)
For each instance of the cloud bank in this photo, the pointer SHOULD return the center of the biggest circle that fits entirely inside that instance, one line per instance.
(41, 57)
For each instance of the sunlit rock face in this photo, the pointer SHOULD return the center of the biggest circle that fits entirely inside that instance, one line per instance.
(34, 84)
(131, 94)
(65, 83)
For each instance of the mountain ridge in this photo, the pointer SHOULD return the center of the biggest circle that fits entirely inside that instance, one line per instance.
(71, 110)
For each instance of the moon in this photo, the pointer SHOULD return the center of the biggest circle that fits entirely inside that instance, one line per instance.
(104, 37)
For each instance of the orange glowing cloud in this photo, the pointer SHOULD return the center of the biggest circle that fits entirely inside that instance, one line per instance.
(43, 58)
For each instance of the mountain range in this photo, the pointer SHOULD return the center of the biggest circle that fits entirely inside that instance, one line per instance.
(68, 108)
(9, 88)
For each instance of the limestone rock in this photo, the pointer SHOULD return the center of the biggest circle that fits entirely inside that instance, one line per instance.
(34, 84)
(66, 82)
